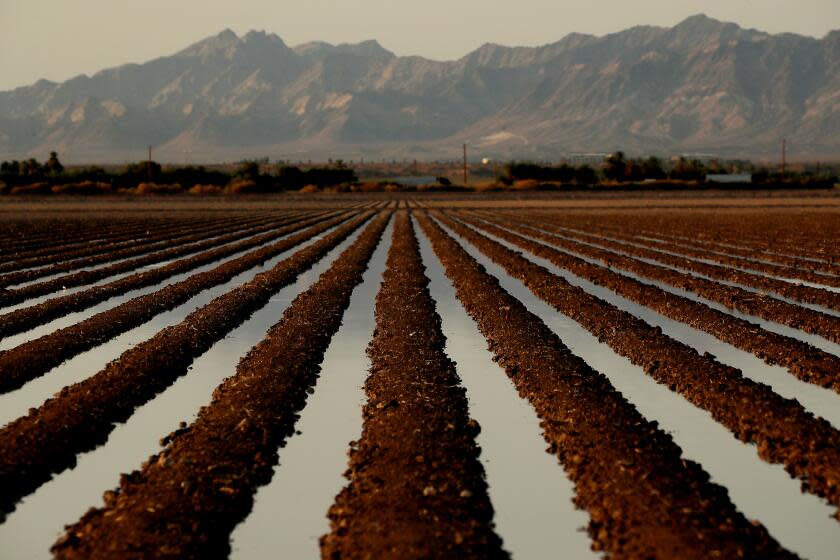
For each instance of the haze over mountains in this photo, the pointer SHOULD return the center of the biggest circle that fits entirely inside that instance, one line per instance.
(702, 86)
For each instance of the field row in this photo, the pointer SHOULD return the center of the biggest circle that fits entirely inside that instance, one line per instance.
(587, 322)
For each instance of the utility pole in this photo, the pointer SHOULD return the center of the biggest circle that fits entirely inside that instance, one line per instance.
(465, 165)
(149, 164)
(784, 157)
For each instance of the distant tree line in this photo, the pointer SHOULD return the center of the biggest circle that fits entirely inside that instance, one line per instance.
(619, 168)
(296, 178)
(258, 176)
(248, 176)
(31, 168)
(564, 173)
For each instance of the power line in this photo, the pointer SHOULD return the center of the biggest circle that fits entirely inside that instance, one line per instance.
(784, 156)
(465, 165)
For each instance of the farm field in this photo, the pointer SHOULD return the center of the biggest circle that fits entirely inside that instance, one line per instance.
(409, 376)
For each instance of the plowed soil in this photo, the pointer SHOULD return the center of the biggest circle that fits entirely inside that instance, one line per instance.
(415, 484)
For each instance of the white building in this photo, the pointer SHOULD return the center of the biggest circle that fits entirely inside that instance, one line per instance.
(735, 178)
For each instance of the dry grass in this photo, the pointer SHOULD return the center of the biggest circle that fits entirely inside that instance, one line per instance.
(526, 185)
(206, 189)
(85, 187)
(241, 186)
(35, 188)
(150, 189)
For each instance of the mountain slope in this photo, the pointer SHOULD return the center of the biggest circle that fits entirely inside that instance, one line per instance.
(701, 86)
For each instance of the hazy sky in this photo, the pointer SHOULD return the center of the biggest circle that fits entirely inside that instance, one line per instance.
(58, 39)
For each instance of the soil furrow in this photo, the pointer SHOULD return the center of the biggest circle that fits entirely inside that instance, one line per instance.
(783, 431)
(807, 294)
(97, 245)
(95, 226)
(81, 416)
(643, 498)
(683, 249)
(31, 232)
(722, 257)
(184, 502)
(23, 319)
(801, 359)
(750, 303)
(42, 238)
(781, 265)
(19, 295)
(797, 233)
(36, 357)
(789, 258)
(150, 245)
(417, 488)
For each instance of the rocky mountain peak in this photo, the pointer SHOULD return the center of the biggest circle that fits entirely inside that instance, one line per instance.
(221, 42)
(700, 30)
(702, 86)
(317, 50)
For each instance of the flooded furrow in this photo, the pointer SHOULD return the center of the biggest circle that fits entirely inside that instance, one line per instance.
(746, 300)
(754, 246)
(530, 492)
(79, 418)
(121, 258)
(73, 318)
(38, 292)
(746, 255)
(829, 282)
(820, 401)
(264, 246)
(39, 519)
(417, 447)
(783, 431)
(33, 394)
(228, 451)
(707, 255)
(608, 269)
(798, 290)
(762, 491)
(62, 253)
(769, 325)
(290, 512)
(695, 274)
(645, 500)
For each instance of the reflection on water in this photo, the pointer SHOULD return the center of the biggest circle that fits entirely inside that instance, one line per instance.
(818, 400)
(34, 393)
(741, 268)
(290, 513)
(76, 289)
(801, 522)
(39, 519)
(75, 317)
(530, 492)
(106, 264)
(751, 258)
(812, 339)
(723, 281)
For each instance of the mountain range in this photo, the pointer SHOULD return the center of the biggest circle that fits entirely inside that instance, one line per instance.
(702, 86)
